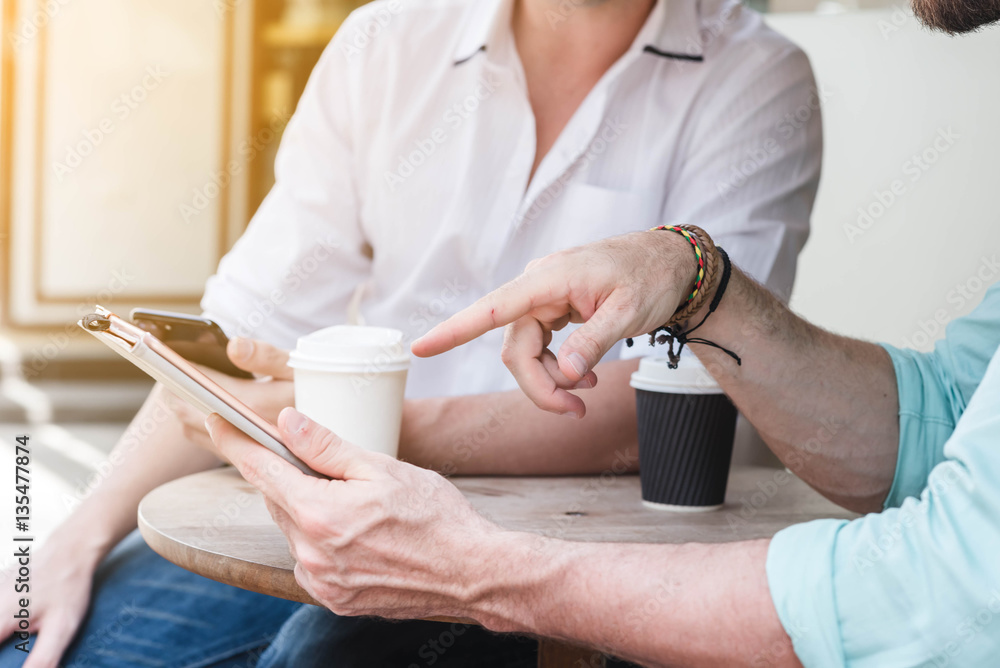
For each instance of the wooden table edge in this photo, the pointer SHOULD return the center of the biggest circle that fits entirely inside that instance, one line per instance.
(245, 573)
(198, 561)
(275, 581)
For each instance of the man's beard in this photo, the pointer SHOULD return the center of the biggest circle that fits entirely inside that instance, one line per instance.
(957, 16)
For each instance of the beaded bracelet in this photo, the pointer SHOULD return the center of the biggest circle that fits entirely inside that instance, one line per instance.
(708, 264)
(714, 269)
(699, 255)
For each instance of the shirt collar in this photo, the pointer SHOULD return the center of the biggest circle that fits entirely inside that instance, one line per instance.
(673, 29)
(486, 22)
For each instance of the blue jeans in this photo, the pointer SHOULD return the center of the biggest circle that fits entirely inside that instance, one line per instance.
(147, 612)
(316, 638)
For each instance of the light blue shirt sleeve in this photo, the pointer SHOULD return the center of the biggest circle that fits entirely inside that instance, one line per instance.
(934, 390)
(919, 583)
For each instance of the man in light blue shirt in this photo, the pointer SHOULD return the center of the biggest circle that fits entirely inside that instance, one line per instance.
(919, 583)
(912, 439)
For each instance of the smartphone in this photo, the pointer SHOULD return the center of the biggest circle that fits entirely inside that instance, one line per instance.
(185, 380)
(194, 338)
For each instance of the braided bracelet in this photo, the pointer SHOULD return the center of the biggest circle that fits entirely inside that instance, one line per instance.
(708, 260)
(699, 255)
(710, 278)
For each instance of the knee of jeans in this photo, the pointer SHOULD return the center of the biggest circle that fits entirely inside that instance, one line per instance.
(10, 655)
(304, 638)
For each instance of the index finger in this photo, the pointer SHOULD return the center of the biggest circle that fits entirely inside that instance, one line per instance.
(508, 303)
(259, 357)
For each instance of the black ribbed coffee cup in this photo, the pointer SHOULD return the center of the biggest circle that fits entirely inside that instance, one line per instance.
(685, 439)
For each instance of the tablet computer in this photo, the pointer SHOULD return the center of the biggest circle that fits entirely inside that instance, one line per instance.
(184, 379)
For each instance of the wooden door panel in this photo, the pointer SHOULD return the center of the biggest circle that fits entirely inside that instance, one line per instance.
(125, 185)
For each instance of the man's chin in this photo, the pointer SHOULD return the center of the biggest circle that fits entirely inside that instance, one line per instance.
(957, 16)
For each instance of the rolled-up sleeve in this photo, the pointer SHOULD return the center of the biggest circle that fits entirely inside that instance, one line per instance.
(927, 417)
(917, 584)
(935, 389)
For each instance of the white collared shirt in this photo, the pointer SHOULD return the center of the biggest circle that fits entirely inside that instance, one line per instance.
(406, 164)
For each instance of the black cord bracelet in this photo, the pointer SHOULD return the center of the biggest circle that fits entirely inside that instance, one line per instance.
(673, 334)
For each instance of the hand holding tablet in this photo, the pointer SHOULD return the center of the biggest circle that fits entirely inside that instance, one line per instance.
(184, 379)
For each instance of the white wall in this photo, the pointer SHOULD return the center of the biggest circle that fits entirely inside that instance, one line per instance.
(892, 89)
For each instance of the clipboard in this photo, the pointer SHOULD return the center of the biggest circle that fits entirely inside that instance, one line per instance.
(182, 378)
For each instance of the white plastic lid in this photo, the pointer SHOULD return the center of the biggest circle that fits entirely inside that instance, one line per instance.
(654, 375)
(352, 349)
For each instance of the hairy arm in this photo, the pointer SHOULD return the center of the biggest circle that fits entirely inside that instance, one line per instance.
(658, 605)
(418, 540)
(827, 405)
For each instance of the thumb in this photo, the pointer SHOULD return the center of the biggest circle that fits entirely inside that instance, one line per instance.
(259, 357)
(585, 347)
(324, 451)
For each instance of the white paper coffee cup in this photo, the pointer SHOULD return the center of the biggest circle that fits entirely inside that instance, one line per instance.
(352, 381)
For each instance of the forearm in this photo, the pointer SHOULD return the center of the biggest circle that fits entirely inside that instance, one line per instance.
(152, 451)
(690, 605)
(505, 433)
(827, 405)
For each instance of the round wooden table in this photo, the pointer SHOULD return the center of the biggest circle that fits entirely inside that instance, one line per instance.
(215, 523)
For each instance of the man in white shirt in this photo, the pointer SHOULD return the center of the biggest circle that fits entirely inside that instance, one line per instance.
(430, 164)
